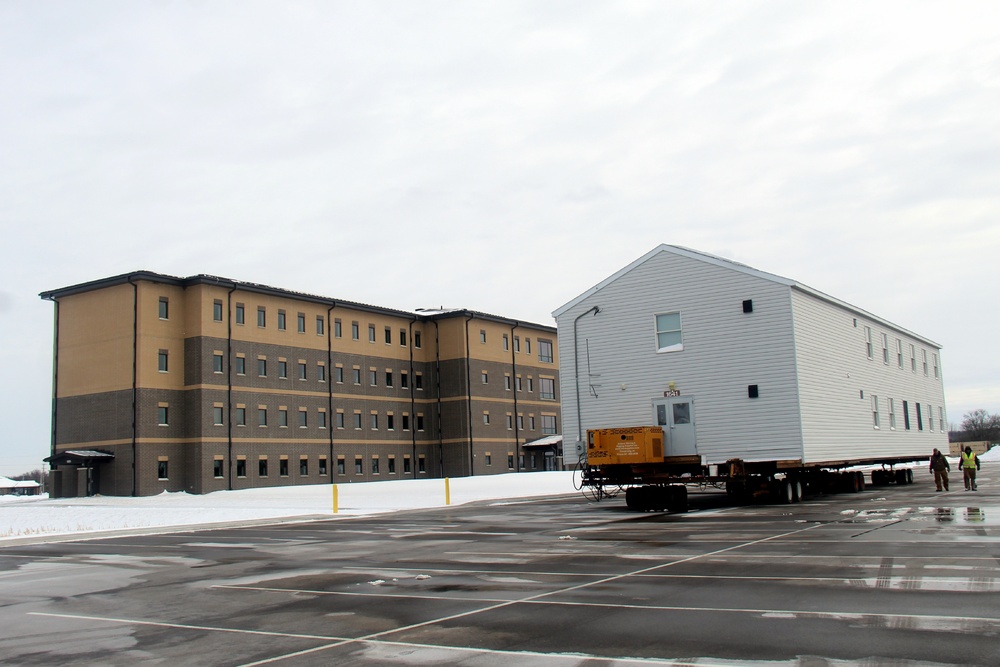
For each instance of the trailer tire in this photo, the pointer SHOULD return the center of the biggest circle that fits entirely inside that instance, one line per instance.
(678, 499)
(900, 477)
(909, 476)
(635, 498)
(798, 490)
(786, 493)
(861, 480)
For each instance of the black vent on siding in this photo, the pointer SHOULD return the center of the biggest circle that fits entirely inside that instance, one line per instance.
(752, 391)
(748, 306)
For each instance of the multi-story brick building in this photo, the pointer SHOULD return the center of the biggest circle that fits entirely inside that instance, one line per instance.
(201, 384)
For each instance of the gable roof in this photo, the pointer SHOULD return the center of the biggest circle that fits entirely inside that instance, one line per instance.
(742, 268)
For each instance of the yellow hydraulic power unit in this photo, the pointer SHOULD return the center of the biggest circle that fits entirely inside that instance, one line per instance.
(631, 445)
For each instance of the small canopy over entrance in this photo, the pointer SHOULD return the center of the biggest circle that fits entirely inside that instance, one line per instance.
(75, 472)
(550, 447)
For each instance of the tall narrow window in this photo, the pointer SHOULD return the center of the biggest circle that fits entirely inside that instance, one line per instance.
(506, 342)
(924, 354)
(240, 314)
(338, 328)
(162, 469)
(937, 372)
(261, 316)
(913, 358)
(163, 415)
(868, 342)
(416, 339)
(906, 416)
(547, 388)
(217, 361)
(354, 331)
(217, 310)
(161, 358)
(300, 321)
(281, 320)
(164, 308)
(899, 352)
(371, 333)
(320, 325)
(875, 415)
(545, 349)
(388, 336)
(892, 414)
(885, 349)
(217, 415)
(920, 417)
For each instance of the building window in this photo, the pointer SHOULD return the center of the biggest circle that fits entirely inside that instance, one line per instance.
(262, 467)
(261, 316)
(375, 465)
(300, 321)
(373, 378)
(892, 414)
(241, 416)
(885, 349)
(421, 464)
(549, 425)
(217, 310)
(517, 383)
(420, 422)
(241, 467)
(162, 470)
(510, 422)
(388, 378)
(545, 349)
(304, 467)
(374, 421)
(282, 369)
(357, 375)
(340, 420)
(868, 342)
(913, 359)
(283, 417)
(547, 389)
(357, 421)
(937, 372)
(261, 416)
(506, 343)
(924, 354)
(217, 362)
(163, 415)
(510, 462)
(262, 367)
(531, 422)
(404, 380)
(161, 361)
(527, 346)
(392, 465)
(321, 419)
(517, 343)
(390, 423)
(355, 331)
(920, 417)
(241, 365)
(402, 341)
(416, 339)
(406, 422)
(281, 320)
(359, 465)
(338, 374)
(303, 418)
(388, 336)
(320, 325)
(875, 416)
(406, 465)
(283, 467)
(240, 314)
(489, 459)
(486, 418)
(482, 335)
(303, 375)
(217, 468)
(341, 466)
(906, 416)
(322, 466)
(531, 385)
(899, 352)
(418, 381)
(371, 333)
(321, 372)
(164, 308)
(486, 378)
(217, 415)
(338, 329)
(506, 381)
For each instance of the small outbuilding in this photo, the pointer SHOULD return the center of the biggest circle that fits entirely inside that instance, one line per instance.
(734, 362)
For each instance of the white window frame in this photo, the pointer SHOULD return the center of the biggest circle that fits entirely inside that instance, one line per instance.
(672, 347)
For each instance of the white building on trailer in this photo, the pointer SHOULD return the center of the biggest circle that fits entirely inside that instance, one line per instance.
(738, 363)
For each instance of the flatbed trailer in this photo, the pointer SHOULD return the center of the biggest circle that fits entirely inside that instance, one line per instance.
(631, 460)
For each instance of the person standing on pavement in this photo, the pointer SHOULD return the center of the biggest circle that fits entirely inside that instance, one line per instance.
(970, 464)
(940, 468)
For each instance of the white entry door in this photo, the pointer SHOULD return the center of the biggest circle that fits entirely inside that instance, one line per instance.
(676, 416)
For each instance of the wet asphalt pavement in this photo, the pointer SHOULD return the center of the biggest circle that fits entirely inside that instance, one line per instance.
(894, 576)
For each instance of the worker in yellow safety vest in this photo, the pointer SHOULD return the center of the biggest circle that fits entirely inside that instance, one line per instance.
(970, 464)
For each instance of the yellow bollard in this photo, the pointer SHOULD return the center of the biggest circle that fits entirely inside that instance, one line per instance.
(447, 491)
(336, 507)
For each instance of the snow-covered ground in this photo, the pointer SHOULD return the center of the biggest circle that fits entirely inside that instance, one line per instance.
(40, 516)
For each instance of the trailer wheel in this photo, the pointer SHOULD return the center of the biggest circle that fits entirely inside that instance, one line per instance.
(909, 476)
(786, 493)
(900, 477)
(861, 480)
(797, 490)
(634, 498)
(678, 499)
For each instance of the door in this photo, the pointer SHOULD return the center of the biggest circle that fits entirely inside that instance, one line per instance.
(676, 415)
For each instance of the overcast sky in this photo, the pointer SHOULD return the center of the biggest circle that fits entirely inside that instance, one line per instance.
(500, 156)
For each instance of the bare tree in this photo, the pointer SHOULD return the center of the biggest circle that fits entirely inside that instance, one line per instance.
(981, 425)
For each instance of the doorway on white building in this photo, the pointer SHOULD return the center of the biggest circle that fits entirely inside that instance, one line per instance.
(676, 415)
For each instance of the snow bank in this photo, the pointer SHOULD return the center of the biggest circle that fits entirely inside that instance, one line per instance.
(28, 516)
